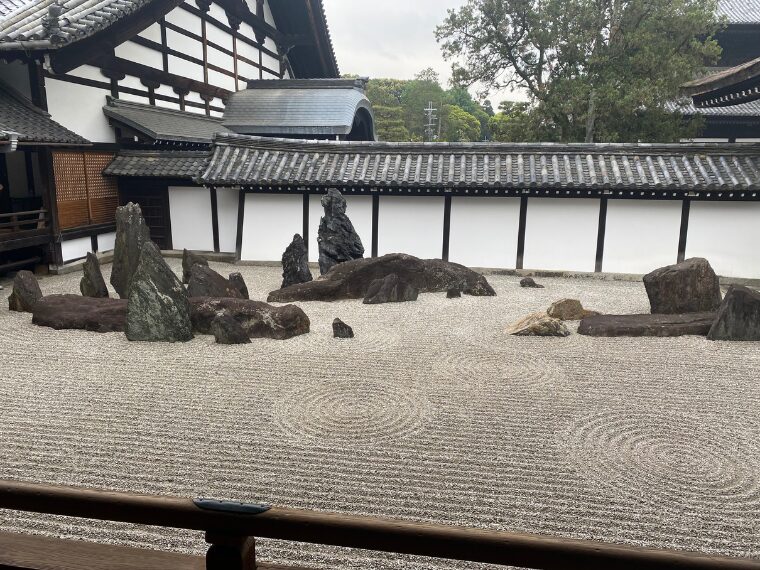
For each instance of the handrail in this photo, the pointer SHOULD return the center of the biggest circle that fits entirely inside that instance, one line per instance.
(371, 533)
(27, 213)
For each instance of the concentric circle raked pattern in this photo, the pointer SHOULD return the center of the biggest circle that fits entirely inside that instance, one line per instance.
(666, 458)
(351, 411)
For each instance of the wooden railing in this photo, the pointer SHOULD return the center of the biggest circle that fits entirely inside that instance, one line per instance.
(230, 528)
(15, 224)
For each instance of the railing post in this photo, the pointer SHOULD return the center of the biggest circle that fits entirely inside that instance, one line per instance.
(230, 552)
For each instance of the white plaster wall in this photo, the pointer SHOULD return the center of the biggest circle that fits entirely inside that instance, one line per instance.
(269, 224)
(190, 211)
(484, 231)
(359, 211)
(411, 224)
(560, 233)
(727, 234)
(166, 90)
(140, 54)
(227, 208)
(185, 68)
(75, 248)
(80, 109)
(641, 235)
(152, 32)
(106, 241)
(132, 82)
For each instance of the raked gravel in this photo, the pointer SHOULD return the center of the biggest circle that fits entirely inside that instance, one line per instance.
(431, 413)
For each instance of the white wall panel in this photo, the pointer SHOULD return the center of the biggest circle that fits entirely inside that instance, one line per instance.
(106, 241)
(484, 231)
(190, 211)
(152, 32)
(75, 248)
(89, 72)
(561, 233)
(641, 235)
(80, 109)
(184, 19)
(132, 82)
(411, 224)
(727, 234)
(185, 68)
(269, 224)
(140, 54)
(166, 90)
(227, 207)
(359, 211)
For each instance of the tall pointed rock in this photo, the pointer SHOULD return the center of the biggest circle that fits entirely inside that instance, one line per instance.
(337, 238)
(131, 234)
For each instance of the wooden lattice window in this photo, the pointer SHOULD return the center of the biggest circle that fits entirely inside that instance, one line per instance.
(84, 196)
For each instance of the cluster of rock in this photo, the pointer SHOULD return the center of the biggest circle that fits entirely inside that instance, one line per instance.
(154, 305)
(551, 322)
(685, 299)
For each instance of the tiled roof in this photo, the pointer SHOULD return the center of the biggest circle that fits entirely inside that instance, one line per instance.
(9, 6)
(157, 163)
(296, 107)
(79, 19)
(32, 124)
(751, 109)
(740, 11)
(159, 123)
(241, 160)
(731, 86)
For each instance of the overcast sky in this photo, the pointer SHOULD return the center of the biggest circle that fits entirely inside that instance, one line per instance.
(391, 38)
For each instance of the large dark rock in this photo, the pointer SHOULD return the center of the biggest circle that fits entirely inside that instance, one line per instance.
(687, 287)
(258, 319)
(26, 292)
(227, 330)
(158, 309)
(538, 324)
(647, 325)
(529, 283)
(238, 284)
(337, 238)
(188, 260)
(205, 282)
(342, 330)
(738, 317)
(390, 289)
(295, 263)
(92, 283)
(97, 314)
(131, 234)
(351, 280)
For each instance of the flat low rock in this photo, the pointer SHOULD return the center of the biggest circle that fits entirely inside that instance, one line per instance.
(351, 279)
(26, 292)
(97, 314)
(258, 319)
(538, 324)
(738, 317)
(647, 325)
(227, 330)
(390, 289)
(529, 283)
(569, 310)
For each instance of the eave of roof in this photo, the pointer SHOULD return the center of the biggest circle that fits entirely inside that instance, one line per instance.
(157, 164)
(162, 124)
(257, 161)
(740, 11)
(732, 86)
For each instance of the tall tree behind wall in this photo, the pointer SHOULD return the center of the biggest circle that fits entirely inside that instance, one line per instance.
(594, 70)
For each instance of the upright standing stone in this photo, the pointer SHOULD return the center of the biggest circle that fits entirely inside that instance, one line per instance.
(188, 260)
(92, 283)
(237, 283)
(738, 317)
(158, 309)
(687, 287)
(131, 234)
(337, 239)
(295, 263)
(26, 292)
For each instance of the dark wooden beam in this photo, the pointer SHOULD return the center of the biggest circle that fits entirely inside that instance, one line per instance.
(601, 230)
(375, 222)
(446, 226)
(305, 225)
(240, 221)
(87, 50)
(214, 218)
(684, 230)
(521, 232)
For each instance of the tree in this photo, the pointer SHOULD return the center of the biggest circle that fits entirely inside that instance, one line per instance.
(458, 125)
(590, 67)
(389, 123)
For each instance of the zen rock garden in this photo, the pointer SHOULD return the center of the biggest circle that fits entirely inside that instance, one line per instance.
(154, 305)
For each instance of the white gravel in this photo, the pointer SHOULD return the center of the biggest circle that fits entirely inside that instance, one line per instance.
(431, 413)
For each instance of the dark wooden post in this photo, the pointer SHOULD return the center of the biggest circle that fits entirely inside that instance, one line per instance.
(230, 552)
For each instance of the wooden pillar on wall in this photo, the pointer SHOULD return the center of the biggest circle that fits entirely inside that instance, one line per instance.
(446, 226)
(375, 220)
(305, 221)
(521, 232)
(240, 220)
(214, 217)
(684, 231)
(602, 229)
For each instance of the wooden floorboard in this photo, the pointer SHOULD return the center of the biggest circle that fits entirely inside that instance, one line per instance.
(31, 552)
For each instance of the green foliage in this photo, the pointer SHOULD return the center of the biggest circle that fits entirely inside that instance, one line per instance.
(389, 123)
(593, 69)
(459, 125)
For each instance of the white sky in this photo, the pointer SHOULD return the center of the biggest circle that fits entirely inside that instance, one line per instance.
(391, 38)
